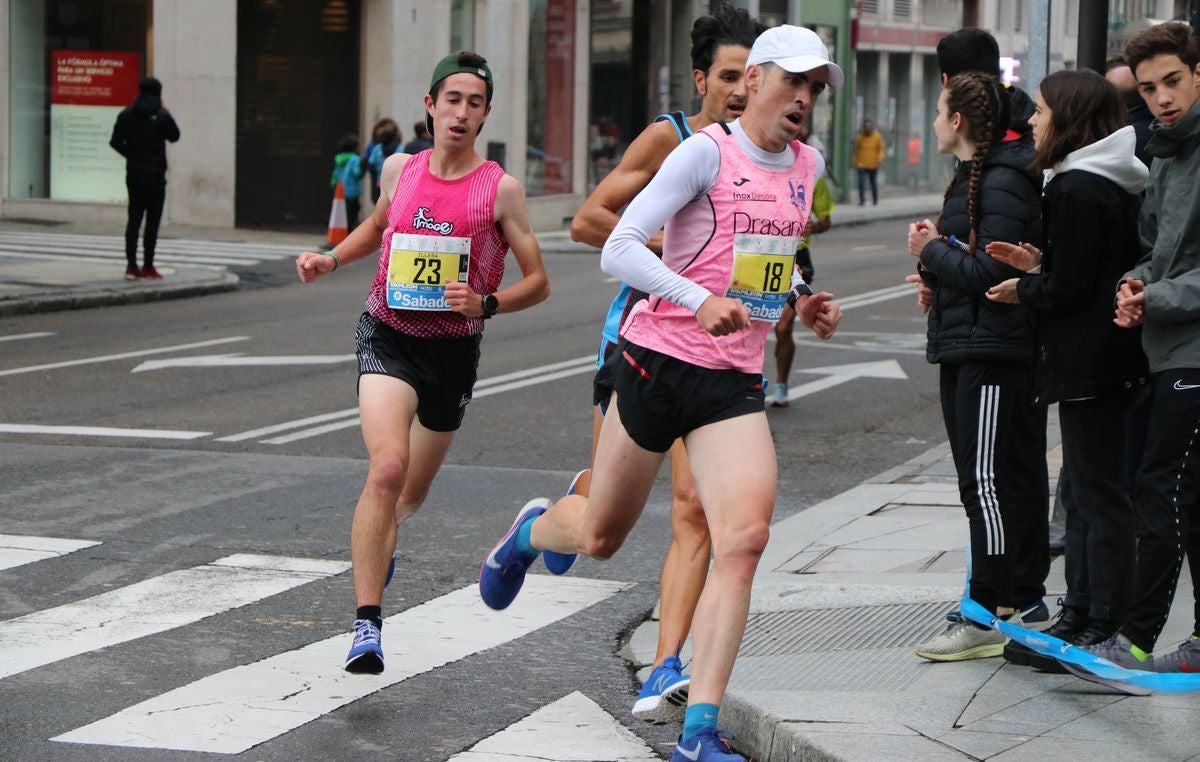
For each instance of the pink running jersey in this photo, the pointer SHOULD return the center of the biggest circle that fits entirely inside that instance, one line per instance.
(429, 206)
(757, 208)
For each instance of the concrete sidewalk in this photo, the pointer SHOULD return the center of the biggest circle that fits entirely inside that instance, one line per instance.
(845, 590)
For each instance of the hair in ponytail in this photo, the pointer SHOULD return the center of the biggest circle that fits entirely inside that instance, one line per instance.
(983, 105)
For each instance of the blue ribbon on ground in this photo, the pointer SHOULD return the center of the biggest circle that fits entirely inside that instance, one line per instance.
(1047, 645)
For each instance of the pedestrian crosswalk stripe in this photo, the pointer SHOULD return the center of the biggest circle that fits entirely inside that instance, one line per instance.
(235, 710)
(18, 550)
(152, 606)
(571, 729)
(169, 250)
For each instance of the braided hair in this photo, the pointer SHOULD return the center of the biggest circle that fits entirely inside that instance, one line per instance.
(982, 103)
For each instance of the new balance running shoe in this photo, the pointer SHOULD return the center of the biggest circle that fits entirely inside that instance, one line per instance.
(503, 571)
(708, 746)
(561, 563)
(366, 653)
(664, 695)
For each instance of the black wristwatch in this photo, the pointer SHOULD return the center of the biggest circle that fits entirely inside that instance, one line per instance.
(799, 290)
(491, 305)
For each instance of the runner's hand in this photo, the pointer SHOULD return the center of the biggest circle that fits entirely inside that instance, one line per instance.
(721, 316)
(463, 300)
(820, 314)
(310, 265)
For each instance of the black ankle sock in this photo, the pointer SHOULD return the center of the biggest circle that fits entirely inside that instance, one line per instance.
(374, 613)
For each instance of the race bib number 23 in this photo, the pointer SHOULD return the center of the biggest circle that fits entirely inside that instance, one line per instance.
(420, 266)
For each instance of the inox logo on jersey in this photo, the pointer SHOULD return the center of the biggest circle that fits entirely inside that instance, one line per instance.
(743, 222)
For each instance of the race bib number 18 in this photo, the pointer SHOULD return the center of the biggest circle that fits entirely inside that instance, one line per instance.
(762, 274)
(420, 266)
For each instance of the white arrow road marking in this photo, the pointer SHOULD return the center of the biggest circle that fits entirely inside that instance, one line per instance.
(100, 431)
(18, 550)
(121, 356)
(840, 374)
(235, 710)
(151, 606)
(571, 729)
(210, 361)
(874, 297)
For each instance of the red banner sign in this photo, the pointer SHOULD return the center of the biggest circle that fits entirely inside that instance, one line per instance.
(94, 77)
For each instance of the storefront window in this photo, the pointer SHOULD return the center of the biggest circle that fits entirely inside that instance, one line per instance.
(551, 113)
(75, 64)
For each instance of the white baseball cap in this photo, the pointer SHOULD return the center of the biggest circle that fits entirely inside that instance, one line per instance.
(794, 49)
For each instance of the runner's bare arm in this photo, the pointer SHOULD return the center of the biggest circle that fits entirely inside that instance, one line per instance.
(364, 239)
(598, 216)
(512, 215)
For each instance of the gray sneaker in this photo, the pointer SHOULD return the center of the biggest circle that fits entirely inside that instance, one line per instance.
(1117, 649)
(963, 640)
(1186, 658)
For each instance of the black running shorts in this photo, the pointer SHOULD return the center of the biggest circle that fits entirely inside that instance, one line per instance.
(661, 398)
(442, 371)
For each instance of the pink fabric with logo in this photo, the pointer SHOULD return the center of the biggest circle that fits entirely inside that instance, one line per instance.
(698, 244)
(426, 205)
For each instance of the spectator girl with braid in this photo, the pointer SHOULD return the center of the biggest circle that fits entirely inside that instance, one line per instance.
(984, 348)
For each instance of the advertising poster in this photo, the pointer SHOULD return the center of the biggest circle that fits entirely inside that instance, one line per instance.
(88, 88)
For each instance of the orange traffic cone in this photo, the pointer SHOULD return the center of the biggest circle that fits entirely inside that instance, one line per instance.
(338, 227)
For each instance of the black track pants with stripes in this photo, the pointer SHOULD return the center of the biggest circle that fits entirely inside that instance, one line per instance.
(998, 438)
(1166, 497)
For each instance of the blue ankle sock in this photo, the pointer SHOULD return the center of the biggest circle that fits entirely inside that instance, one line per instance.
(524, 546)
(698, 718)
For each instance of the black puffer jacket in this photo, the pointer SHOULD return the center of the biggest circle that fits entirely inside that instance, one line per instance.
(141, 134)
(1091, 241)
(964, 326)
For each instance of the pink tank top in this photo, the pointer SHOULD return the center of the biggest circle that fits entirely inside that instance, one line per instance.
(444, 218)
(738, 240)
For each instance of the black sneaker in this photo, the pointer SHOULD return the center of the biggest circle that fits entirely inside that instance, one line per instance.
(1096, 632)
(1035, 614)
(1068, 623)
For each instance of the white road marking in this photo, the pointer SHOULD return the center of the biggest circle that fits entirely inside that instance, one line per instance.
(22, 336)
(238, 360)
(874, 297)
(255, 433)
(235, 710)
(18, 550)
(122, 356)
(154, 605)
(561, 732)
(840, 374)
(99, 431)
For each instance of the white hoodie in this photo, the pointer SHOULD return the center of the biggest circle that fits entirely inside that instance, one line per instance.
(1112, 158)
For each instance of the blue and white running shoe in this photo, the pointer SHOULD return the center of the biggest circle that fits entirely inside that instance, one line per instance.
(664, 695)
(366, 653)
(561, 563)
(708, 746)
(503, 571)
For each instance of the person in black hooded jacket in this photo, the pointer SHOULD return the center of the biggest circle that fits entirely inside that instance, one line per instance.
(998, 438)
(140, 135)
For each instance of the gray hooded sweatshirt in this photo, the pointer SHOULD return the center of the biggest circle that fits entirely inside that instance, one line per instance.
(1170, 231)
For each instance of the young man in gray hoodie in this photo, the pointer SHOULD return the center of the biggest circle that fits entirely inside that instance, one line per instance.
(1162, 293)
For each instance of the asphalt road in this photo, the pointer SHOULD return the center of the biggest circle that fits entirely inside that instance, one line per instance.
(177, 435)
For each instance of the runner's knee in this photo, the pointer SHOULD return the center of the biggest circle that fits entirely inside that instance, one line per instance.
(387, 471)
(600, 547)
(743, 543)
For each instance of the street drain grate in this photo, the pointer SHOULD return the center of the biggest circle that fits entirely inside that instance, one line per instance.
(868, 648)
(775, 633)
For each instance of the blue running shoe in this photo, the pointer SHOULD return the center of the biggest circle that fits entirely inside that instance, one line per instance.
(664, 696)
(391, 570)
(561, 563)
(708, 746)
(503, 571)
(366, 653)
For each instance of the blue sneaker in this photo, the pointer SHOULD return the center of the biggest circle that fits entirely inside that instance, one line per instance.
(664, 695)
(708, 746)
(366, 653)
(561, 563)
(503, 571)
